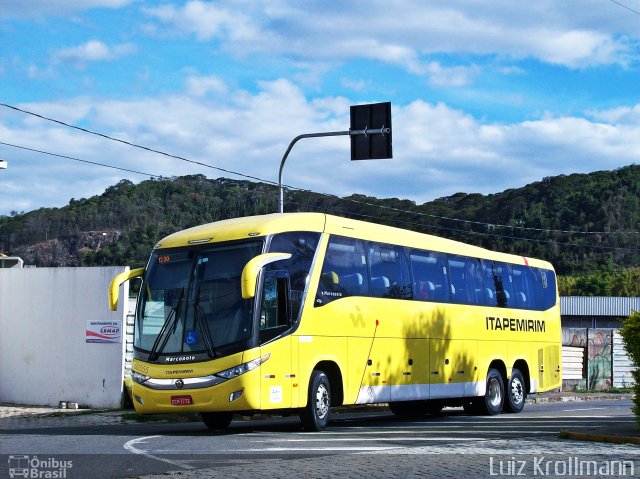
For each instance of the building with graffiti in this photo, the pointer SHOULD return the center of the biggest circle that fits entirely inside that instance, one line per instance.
(593, 355)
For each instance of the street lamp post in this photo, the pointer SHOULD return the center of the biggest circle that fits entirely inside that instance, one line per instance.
(3, 165)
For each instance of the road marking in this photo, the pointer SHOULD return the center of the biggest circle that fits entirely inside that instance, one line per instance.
(585, 409)
(131, 447)
(365, 439)
(288, 449)
(500, 430)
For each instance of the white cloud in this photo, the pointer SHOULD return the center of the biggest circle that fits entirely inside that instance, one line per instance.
(93, 51)
(201, 86)
(451, 76)
(206, 20)
(438, 150)
(405, 33)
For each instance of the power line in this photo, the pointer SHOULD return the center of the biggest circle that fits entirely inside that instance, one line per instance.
(624, 6)
(82, 161)
(351, 213)
(134, 145)
(492, 225)
(398, 210)
(472, 233)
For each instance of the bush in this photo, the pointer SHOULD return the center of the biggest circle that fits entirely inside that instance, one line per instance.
(631, 337)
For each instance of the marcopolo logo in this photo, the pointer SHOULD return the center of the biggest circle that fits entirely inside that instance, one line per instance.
(35, 467)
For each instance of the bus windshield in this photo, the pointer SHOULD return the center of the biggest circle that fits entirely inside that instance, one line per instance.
(191, 300)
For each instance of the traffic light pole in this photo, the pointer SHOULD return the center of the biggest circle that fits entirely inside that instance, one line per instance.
(364, 132)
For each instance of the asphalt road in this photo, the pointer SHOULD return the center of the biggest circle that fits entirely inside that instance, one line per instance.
(356, 444)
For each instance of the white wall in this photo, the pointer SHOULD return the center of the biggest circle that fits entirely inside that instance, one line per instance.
(44, 356)
(622, 365)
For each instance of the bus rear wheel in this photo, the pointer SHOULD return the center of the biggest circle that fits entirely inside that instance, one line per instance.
(216, 421)
(491, 403)
(516, 392)
(315, 415)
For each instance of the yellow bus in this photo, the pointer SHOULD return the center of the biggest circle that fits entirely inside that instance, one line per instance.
(301, 312)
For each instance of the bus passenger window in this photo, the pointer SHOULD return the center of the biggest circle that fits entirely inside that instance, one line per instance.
(546, 289)
(430, 279)
(524, 287)
(490, 283)
(466, 280)
(344, 271)
(498, 284)
(389, 272)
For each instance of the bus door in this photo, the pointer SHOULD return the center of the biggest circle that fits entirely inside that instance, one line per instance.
(278, 376)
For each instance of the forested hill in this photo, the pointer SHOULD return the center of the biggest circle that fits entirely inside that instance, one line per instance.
(585, 224)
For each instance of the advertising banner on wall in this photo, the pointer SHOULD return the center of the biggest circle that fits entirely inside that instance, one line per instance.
(103, 331)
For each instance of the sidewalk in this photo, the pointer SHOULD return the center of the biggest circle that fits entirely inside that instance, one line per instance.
(13, 416)
(618, 434)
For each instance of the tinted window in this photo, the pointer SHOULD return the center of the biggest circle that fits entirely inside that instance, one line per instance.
(389, 272)
(465, 275)
(344, 271)
(547, 288)
(302, 246)
(430, 280)
(498, 284)
(524, 286)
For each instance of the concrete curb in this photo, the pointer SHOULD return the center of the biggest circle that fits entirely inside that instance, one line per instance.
(577, 398)
(582, 436)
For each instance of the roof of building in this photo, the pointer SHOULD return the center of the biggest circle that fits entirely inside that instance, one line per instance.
(598, 305)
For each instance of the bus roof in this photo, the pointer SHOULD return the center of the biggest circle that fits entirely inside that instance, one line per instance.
(262, 225)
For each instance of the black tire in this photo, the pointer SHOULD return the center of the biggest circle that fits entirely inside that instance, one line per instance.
(491, 403)
(315, 415)
(216, 421)
(516, 392)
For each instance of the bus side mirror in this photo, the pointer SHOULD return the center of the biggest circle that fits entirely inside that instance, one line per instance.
(114, 287)
(252, 269)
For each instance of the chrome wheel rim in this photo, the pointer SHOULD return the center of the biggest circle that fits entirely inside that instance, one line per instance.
(495, 395)
(517, 391)
(322, 401)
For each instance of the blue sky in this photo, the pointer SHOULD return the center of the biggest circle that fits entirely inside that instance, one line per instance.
(486, 96)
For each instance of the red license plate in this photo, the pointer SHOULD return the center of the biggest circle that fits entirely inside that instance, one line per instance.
(181, 400)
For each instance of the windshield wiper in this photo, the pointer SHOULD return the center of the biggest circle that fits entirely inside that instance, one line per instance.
(204, 330)
(170, 323)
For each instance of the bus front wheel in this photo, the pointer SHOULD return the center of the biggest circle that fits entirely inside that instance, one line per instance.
(216, 421)
(315, 415)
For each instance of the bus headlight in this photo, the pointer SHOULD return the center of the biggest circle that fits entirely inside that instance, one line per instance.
(240, 369)
(139, 378)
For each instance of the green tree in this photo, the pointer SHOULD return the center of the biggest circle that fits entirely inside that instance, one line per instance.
(630, 333)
